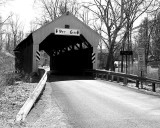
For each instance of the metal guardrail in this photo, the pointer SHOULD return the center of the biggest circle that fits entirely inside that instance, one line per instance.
(32, 98)
(124, 77)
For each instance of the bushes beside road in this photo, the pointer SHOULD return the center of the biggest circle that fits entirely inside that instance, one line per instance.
(14, 90)
(7, 75)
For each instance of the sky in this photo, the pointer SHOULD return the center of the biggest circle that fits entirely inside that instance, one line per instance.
(25, 10)
(22, 8)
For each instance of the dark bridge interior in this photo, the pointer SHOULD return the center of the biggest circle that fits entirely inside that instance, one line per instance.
(68, 54)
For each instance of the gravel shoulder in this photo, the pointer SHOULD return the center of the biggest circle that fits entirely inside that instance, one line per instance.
(46, 113)
(12, 99)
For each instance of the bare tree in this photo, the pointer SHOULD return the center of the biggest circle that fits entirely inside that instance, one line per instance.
(16, 30)
(3, 23)
(144, 38)
(8, 46)
(117, 16)
(52, 9)
(2, 2)
(156, 37)
(84, 16)
(33, 27)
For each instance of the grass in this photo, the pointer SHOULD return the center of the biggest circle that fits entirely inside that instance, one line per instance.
(7, 74)
(151, 72)
(13, 94)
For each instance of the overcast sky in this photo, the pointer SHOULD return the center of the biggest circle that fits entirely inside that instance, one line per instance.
(25, 10)
(22, 8)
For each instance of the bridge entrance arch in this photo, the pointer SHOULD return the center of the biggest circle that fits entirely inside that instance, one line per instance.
(68, 53)
(71, 45)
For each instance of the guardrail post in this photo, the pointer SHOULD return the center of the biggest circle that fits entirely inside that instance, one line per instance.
(125, 81)
(99, 75)
(141, 84)
(137, 83)
(117, 79)
(107, 77)
(153, 87)
(102, 76)
(112, 78)
(95, 75)
(41, 72)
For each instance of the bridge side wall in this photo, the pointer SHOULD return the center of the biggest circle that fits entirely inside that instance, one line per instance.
(23, 53)
(27, 64)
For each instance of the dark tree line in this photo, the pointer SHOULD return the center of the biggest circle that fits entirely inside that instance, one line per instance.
(149, 38)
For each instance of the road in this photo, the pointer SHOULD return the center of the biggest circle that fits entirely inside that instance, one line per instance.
(101, 104)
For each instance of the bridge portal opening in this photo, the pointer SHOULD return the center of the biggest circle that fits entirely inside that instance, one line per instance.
(68, 54)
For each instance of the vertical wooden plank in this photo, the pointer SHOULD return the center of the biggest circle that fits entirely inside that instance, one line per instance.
(102, 76)
(106, 77)
(153, 87)
(117, 79)
(96, 75)
(125, 81)
(137, 83)
(112, 78)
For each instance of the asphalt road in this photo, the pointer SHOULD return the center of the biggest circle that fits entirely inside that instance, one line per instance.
(100, 104)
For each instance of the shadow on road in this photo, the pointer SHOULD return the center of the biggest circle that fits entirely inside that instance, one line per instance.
(55, 77)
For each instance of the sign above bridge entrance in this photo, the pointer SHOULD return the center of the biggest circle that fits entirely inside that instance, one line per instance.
(71, 32)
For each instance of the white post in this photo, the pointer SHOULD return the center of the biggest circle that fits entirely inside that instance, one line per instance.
(95, 65)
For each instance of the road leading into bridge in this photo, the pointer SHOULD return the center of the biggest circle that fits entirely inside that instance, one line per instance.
(100, 104)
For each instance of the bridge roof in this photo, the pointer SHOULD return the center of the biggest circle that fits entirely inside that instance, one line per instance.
(66, 19)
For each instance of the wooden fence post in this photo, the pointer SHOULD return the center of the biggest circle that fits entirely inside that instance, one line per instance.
(153, 87)
(112, 78)
(96, 75)
(125, 81)
(102, 76)
(117, 79)
(137, 83)
(107, 77)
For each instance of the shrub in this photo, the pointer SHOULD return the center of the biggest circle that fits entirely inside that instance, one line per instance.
(7, 71)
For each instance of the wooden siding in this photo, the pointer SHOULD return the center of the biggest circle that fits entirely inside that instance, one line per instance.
(24, 55)
(92, 37)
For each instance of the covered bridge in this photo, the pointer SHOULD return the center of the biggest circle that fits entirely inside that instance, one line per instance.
(71, 45)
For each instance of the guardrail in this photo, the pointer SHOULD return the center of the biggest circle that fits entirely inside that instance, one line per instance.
(124, 77)
(32, 98)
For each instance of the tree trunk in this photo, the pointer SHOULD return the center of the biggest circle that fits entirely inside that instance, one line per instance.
(110, 60)
(3, 47)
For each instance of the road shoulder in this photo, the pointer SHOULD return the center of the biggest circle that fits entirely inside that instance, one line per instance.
(46, 113)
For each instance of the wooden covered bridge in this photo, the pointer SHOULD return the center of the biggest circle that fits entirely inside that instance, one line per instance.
(70, 44)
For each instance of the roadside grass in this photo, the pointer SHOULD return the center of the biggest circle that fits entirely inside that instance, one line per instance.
(11, 100)
(6, 69)
(14, 90)
(151, 73)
